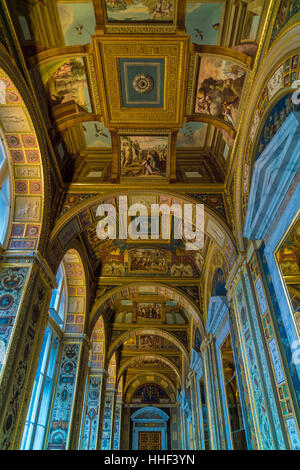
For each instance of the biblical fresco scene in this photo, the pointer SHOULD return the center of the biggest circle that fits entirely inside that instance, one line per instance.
(219, 89)
(144, 155)
(66, 83)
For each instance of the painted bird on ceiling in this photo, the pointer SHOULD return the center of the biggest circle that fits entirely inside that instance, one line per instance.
(199, 33)
(79, 28)
(99, 132)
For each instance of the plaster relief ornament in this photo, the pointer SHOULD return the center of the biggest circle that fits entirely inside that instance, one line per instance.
(143, 83)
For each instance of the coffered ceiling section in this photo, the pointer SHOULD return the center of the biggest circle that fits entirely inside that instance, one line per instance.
(112, 74)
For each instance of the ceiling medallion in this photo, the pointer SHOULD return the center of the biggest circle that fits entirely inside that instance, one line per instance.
(143, 83)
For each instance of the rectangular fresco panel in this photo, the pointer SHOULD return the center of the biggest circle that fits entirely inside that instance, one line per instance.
(261, 297)
(28, 208)
(276, 361)
(219, 89)
(149, 260)
(140, 10)
(66, 82)
(14, 119)
(144, 156)
(149, 310)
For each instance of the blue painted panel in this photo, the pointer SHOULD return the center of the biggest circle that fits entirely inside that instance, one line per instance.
(130, 68)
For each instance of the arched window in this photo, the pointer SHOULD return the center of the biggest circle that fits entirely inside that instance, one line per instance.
(34, 433)
(57, 303)
(4, 192)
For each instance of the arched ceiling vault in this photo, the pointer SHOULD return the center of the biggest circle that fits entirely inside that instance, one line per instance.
(158, 357)
(143, 378)
(102, 304)
(148, 331)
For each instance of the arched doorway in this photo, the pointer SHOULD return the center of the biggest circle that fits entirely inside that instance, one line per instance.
(149, 429)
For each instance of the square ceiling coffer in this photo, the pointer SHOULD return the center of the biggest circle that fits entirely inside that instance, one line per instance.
(142, 82)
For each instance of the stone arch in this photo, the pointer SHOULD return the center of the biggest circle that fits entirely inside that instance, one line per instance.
(106, 301)
(144, 378)
(151, 410)
(218, 283)
(25, 141)
(80, 217)
(99, 344)
(147, 331)
(76, 285)
(215, 260)
(150, 356)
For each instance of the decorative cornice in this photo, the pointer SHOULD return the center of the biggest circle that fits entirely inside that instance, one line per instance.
(207, 341)
(196, 363)
(34, 257)
(217, 311)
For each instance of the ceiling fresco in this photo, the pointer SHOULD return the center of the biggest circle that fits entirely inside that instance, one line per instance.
(203, 21)
(142, 98)
(77, 22)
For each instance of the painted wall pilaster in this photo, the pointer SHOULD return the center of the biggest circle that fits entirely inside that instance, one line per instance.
(108, 419)
(79, 395)
(274, 337)
(185, 419)
(125, 428)
(252, 443)
(174, 428)
(196, 370)
(200, 415)
(25, 292)
(91, 412)
(117, 425)
(212, 386)
(64, 425)
(267, 423)
(195, 414)
(101, 409)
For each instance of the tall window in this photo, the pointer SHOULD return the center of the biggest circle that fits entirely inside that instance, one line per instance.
(57, 304)
(4, 192)
(38, 411)
(34, 433)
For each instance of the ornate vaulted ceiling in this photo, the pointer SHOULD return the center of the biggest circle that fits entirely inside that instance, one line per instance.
(117, 80)
(110, 73)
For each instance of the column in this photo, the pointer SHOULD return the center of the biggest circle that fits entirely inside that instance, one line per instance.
(195, 412)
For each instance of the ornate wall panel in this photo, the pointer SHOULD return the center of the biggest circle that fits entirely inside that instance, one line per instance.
(12, 283)
(249, 350)
(267, 323)
(63, 399)
(91, 413)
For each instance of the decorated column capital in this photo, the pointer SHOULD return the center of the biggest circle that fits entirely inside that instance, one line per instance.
(207, 341)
